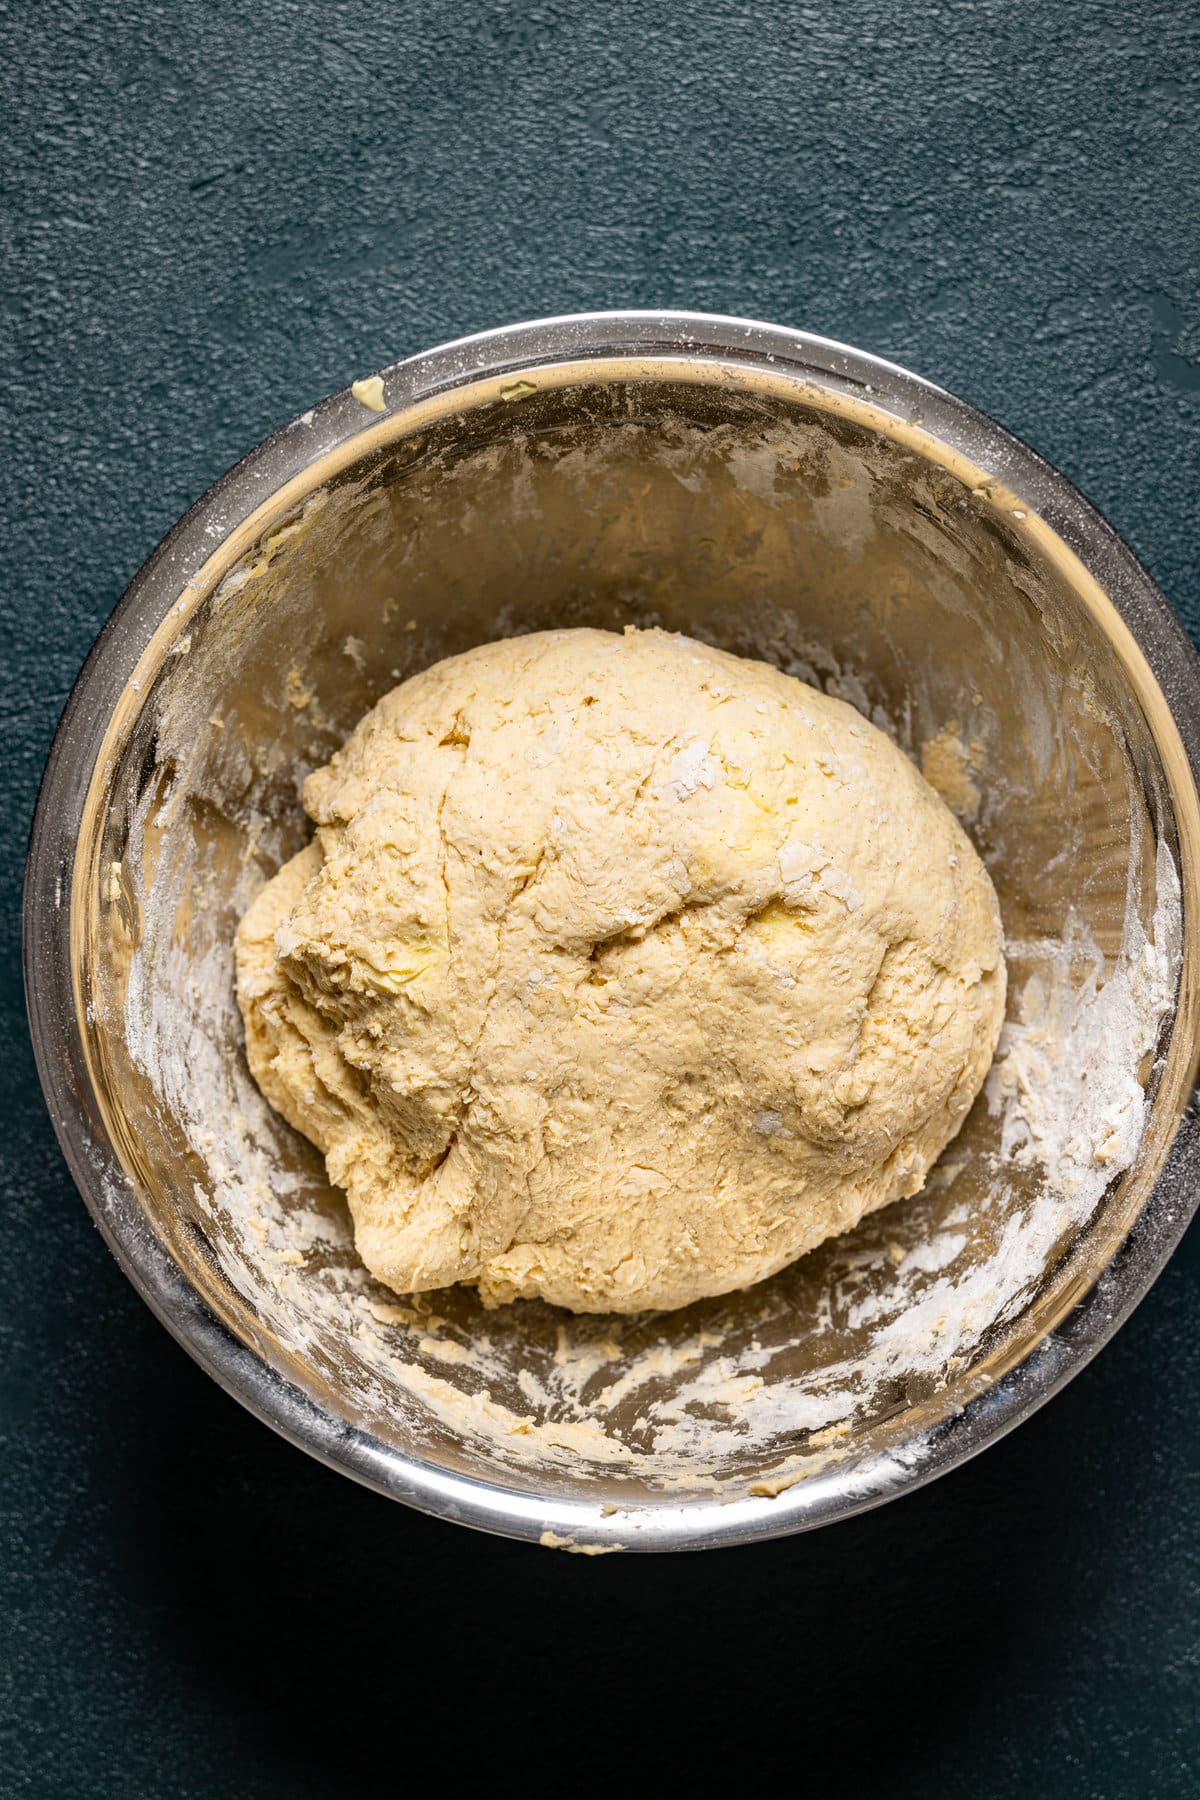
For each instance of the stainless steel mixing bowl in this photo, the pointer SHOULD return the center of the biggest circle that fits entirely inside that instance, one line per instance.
(783, 496)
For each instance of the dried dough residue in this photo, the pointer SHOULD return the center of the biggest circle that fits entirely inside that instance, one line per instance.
(949, 766)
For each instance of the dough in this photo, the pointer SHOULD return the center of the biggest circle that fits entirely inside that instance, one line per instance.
(620, 971)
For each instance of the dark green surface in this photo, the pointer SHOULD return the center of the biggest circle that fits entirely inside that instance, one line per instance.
(213, 214)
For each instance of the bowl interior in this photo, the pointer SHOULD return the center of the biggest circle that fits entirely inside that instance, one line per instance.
(776, 520)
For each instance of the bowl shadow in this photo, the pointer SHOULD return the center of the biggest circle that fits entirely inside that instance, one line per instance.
(340, 1630)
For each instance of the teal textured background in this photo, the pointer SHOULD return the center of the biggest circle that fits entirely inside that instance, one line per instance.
(212, 215)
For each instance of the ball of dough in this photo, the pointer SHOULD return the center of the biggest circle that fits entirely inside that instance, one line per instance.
(620, 971)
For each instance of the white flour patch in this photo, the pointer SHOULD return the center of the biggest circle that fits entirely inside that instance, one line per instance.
(1067, 1102)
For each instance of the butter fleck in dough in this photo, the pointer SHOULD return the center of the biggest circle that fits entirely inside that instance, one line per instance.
(620, 971)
